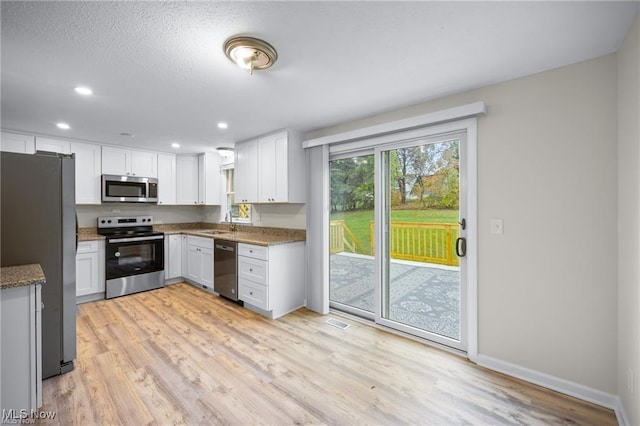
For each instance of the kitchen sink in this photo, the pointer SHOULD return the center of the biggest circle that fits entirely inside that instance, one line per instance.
(214, 232)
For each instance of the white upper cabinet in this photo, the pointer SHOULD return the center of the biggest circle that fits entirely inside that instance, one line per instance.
(53, 145)
(270, 169)
(245, 180)
(88, 172)
(209, 179)
(166, 179)
(187, 179)
(120, 161)
(13, 142)
(144, 163)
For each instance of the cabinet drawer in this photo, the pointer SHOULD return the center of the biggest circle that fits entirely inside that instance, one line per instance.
(253, 294)
(252, 269)
(257, 252)
(200, 242)
(88, 246)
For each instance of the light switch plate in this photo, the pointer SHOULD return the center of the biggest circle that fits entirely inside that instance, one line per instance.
(497, 226)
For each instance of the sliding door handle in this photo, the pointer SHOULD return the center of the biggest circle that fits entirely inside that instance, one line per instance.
(461, 247)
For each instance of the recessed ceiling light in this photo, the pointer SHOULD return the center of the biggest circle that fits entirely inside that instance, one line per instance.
(82, 90)
(175, 145)
(222, 125)
(127, 135)
(63, 126)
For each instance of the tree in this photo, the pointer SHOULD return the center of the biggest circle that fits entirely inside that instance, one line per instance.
(352, 183)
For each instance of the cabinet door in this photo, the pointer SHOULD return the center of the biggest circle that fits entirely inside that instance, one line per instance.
(187, 179)
(174, 263)
(88, 172)
(22, 144)
(281, 175)
(194, 263)
(86, 273)
(184, 255)
(206, 275)
(144, 164)
(246, 172)
(167, 256)
(267, 168)
(166, 179)
(53, 145)
(209, 179)
(116, 161)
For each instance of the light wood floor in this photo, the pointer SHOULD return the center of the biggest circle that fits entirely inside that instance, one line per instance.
(179, 355)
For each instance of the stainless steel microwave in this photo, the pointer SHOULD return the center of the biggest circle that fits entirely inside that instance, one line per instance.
(129, 189)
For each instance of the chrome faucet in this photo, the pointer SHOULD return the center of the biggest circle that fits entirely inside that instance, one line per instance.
(229, 218)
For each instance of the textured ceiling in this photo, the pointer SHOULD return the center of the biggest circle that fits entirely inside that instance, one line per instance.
(158, 70)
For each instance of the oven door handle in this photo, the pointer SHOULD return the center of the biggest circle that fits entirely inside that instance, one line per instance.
(134, 239)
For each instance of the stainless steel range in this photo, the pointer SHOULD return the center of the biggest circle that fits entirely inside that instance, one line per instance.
(134, 255)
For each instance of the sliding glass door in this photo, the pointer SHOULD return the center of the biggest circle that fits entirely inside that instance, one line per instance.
(352, 268)
(421, 239)
(398, 236)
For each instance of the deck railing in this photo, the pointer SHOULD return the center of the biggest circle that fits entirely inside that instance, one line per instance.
(341, 237)
(420, 242)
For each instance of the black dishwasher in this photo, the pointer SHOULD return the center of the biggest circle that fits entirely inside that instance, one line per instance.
(225, 269)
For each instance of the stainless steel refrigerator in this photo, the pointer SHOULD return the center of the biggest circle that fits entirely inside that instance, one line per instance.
(38, 225)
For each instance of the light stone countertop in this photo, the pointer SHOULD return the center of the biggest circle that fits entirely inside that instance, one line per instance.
(19, 276)
(254, 238)
(262, 236)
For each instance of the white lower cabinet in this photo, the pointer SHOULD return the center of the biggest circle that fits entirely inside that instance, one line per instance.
(200, 261)
(20, 351)
(90, 274)
(271, 279)
(172, 256)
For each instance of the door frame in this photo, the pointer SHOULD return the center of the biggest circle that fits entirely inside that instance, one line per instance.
(468, 126)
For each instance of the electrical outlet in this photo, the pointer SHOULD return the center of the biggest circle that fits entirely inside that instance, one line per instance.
(630, 380)
(497, 226)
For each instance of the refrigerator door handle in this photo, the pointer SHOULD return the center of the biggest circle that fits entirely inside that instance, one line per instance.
(77, 230)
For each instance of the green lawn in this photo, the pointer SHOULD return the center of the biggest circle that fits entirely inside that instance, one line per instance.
(358, 221)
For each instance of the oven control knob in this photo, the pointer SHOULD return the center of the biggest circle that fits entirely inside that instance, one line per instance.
(102, 221)
(109, 221)
(117, 254)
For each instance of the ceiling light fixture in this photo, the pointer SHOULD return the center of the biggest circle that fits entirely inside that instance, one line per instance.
(83, 90)
(63, 126)
(250, 53)
(225, 151)
(222, 125)
(175, 145)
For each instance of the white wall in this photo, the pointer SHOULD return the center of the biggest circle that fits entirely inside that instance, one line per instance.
(547, 157)
(629, 221)
(87, 215)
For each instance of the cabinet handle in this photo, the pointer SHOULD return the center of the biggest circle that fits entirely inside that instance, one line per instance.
(251, 293)
(250, 270)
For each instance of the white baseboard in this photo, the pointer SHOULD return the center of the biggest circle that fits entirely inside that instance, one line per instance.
(548, 381)
(621, 413)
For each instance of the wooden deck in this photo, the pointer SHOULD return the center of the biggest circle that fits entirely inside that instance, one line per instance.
(179, 355)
